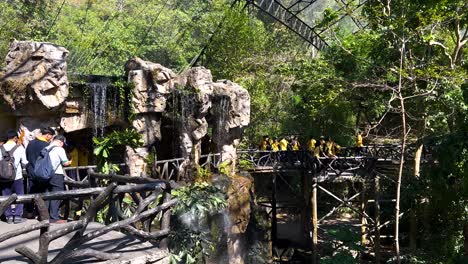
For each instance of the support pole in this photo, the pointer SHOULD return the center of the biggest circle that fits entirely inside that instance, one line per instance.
(363, 218)
(413, 215)
(314, 222)
(273, 216)
(377, 220)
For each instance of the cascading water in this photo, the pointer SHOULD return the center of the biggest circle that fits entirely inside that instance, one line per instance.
(183, 109)
(221, 132)
(99, 98)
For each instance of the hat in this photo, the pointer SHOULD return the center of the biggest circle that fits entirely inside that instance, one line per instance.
(47, 131)
(61, 138)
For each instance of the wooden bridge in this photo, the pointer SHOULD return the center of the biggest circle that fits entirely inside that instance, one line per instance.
(349, 162)
(130, 202)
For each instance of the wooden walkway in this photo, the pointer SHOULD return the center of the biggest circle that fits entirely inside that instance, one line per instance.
(129, 248)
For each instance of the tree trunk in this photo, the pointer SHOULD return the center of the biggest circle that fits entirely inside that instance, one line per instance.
(377, 219)
(402, 156)
(413, 214)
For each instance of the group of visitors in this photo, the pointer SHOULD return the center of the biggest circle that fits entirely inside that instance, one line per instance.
(45, 153)
(324, 147)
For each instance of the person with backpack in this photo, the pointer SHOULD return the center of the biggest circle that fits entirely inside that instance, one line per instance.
(12, 159)
(33, 151)
(54, 159)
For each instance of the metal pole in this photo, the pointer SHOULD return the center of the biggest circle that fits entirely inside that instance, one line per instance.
(273, 215)
(314, 221)
(363, 218)
(377, 220)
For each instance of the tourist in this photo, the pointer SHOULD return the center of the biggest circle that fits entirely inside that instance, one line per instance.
(359, 144)
(58, 158)
(283, 144)
(275, 144)
(16, 186)
(79, 158)
(265, 143)
(311, 144)
(317, 154)
(295, 145)
(33, 151)
(329, 148)
(322, 146)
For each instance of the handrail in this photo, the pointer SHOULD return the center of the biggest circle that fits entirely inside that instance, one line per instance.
(111, 194)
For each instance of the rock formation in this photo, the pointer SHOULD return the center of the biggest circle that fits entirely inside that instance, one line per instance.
(34, 84)
(34, 89)
(152, 83)
(35, 72)
(239, 210)
(193, 98)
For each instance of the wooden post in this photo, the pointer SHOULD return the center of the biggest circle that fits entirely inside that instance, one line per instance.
(363, 218)
(413, 220)
(314, 222)
(166, 217)
(273, 215)
(377, 220)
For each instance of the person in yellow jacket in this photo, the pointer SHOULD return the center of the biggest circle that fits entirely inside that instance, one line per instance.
(295, 145)
(275, 144)
(329, 147)
(317, 150)
(311, 144)
(283, 144)
(265, 143)
(336, 150)
(359, 144)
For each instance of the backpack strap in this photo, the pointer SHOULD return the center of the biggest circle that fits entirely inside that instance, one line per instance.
(12, 150)
(3, 150)
(6, 153)
(49, 149)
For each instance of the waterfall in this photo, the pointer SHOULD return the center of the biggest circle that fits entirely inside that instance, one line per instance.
(222, 130)
(99, 99)
(183, 107)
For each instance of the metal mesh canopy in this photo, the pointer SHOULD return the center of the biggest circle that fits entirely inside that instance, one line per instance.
(310, 19)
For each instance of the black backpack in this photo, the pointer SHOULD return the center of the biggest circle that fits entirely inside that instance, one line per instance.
(7, 165)
(43, 169)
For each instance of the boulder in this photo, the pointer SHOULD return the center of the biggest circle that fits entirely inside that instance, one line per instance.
(152, 83)
(148, 125)
(136, 161)
(35, 72)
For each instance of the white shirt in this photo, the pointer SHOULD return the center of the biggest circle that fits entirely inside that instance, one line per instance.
(57, 158)
(20, 158)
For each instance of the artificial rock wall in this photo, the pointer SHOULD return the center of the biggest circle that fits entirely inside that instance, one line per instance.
(35, 91)
(34, 84)
(196, 103)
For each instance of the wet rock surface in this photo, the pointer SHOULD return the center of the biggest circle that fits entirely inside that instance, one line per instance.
(193, 103)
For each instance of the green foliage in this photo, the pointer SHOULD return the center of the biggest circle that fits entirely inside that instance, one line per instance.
(200, 199)
(193, 242)
(104, 146)
(202, 174)
(225, 168)
(348, 241)
(245, 164)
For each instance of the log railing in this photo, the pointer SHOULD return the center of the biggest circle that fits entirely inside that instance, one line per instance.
(150, 197)
(348, 160)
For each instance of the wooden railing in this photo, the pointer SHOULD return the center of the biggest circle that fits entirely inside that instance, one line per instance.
(349, 160)
(149, 197)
